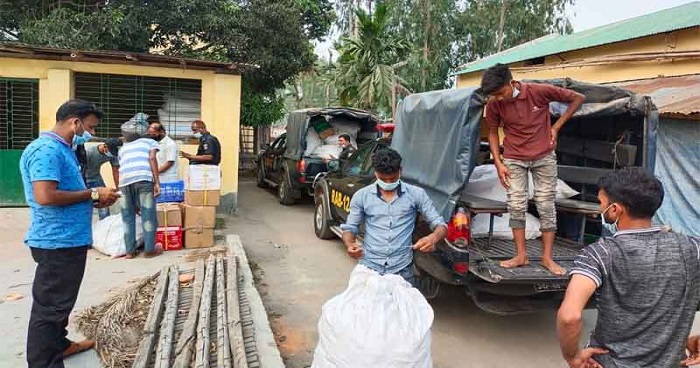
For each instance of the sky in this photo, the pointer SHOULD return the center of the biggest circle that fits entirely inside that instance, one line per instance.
(586, 14)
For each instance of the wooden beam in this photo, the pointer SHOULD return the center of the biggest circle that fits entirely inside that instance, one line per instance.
(150, 328)
(203, 341)
(233, 314)
(167, 326)
(185, 345)
(223, 357)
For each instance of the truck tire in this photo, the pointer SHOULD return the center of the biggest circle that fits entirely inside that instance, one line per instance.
(322, 226)
(261, 178)
(284, 191)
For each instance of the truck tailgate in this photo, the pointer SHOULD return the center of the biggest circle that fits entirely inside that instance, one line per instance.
(485, 261)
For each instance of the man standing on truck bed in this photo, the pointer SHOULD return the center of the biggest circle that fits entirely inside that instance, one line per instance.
(522, 109)
(646, 283)
(388, 210)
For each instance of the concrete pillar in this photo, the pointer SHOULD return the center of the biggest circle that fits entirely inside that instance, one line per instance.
(56, 89)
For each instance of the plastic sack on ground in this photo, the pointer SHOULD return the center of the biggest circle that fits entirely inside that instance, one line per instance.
(501, 228)
(108, 235)
(135, 128)
(378, 321)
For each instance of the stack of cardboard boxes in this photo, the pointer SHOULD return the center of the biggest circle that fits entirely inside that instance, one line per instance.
(169, 215)
(202, 196)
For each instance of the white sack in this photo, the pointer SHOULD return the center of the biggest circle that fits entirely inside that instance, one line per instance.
(378, 321)
(108, 235)
(327, 151)
(501, 228)
(312, 141)
(484, 183)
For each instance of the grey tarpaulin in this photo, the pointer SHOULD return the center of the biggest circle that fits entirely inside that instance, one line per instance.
(298, 124)
(437, 133)
(677, 167)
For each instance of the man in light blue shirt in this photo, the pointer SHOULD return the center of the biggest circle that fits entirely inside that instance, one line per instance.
(60, 232)
(388, 210)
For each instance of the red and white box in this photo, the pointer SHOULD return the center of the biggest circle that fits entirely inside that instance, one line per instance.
(169, 238)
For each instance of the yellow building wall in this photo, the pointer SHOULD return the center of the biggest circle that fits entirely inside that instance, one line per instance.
(681, 40)
(221, 94)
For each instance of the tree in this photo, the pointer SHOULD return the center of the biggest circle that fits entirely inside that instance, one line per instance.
(365, 63)
(273, 34)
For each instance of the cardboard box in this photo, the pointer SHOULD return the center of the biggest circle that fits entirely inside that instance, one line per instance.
(199, 217)
(169, 238)
(199, 238)
(203, 197)
(169, 214)
(204, 177)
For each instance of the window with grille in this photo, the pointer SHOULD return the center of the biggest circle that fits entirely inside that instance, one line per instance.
(247, 143)
(171, 101)
(19, 113)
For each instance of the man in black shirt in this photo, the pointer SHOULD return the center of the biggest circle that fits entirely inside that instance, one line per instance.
(348, 148)
(209, 150)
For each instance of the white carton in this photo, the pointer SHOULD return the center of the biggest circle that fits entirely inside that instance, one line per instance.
(204, 177)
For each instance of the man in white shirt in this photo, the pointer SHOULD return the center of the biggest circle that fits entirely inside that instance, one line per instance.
(167, 155)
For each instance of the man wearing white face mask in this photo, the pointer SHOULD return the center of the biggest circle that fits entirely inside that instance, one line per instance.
(97, 155)
(646, 283)
(530, 139)
(388, 210)
(209, 150)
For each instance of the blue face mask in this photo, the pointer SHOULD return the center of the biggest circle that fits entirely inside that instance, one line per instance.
(109, 154)
(81, 139)
(609, 228)
(389, 187)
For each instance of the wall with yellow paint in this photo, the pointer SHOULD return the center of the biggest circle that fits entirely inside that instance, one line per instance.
(681, 40)
(221, 94)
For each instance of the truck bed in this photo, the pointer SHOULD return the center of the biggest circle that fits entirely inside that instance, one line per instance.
(484, 260)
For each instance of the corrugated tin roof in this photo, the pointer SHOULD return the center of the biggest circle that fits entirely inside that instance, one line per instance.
(672, 95)
(20, 50)
(683, 16)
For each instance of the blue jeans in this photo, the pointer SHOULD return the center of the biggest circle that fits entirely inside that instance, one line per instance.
(139, 195)
(101, 212)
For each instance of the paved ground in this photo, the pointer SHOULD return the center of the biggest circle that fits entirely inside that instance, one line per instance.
(298, 273)
(17, 272)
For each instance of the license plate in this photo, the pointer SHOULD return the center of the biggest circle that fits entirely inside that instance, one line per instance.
(550, 286)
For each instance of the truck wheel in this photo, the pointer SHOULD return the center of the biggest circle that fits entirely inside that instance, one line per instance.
(261, 178)
(322, 226)
(284, 192)
(427, 285)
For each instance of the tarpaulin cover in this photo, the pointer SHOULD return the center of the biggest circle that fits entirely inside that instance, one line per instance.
(677, 167)
(298, 124)
(437, 133)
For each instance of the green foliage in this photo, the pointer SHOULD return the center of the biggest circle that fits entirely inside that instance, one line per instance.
(258, 109)
(364, 67)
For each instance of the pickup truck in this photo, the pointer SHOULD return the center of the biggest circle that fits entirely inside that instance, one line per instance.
(438, 135)
(293, 160)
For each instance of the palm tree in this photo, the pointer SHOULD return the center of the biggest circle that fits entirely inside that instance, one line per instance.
(365, 73)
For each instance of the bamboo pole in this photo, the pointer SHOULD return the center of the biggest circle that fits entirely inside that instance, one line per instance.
(222, 337)
(167, 326)
(203, 341)
(185, 345)
(235, 331)
(146, 346)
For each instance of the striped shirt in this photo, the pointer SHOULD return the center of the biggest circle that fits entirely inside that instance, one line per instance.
(134, 161)
(647, 292)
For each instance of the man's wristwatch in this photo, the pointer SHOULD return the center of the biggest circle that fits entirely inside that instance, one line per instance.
(94, 195)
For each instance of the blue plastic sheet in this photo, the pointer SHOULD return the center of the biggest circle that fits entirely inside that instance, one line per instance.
(678, 167)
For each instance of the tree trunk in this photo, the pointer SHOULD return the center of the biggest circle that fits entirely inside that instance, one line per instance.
(426, 45)
(501, 25)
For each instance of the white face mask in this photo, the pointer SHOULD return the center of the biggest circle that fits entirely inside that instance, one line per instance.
(516, 92)
(197, 135)
(389, 187)
(611, 228)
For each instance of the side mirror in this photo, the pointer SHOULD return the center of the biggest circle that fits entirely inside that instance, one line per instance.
(333, 165)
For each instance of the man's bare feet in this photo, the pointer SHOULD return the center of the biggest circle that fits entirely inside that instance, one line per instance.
(515, 262)
(553, 267)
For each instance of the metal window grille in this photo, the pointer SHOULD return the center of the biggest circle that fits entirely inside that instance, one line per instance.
(19, 113)
(122, 96)
(247, 143)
